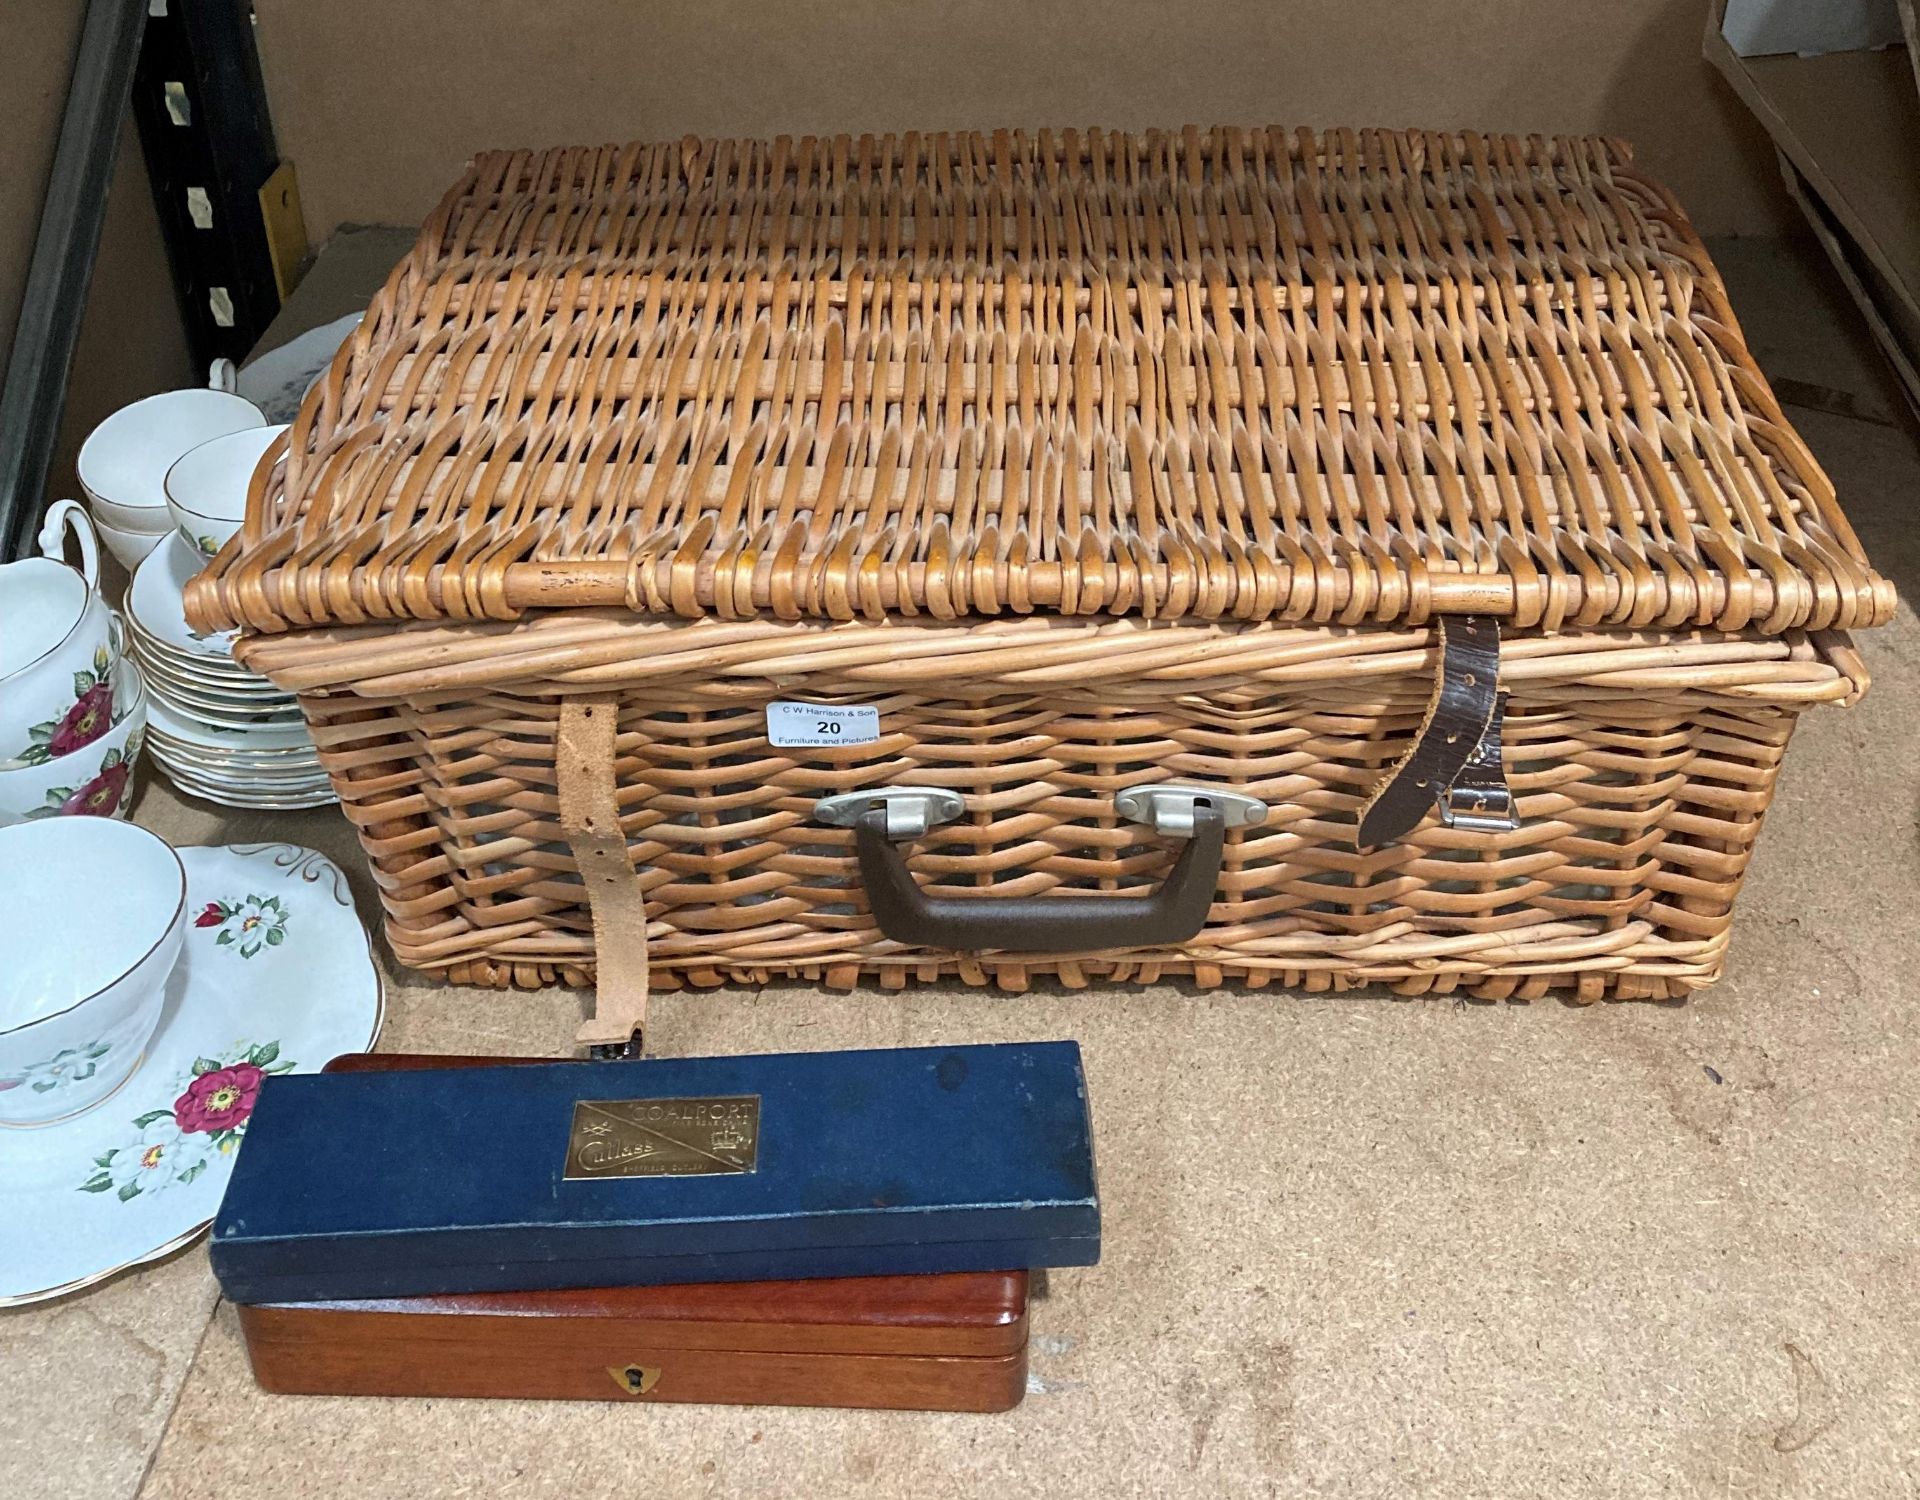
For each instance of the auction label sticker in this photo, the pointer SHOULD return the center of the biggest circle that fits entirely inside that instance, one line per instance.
(800, 725)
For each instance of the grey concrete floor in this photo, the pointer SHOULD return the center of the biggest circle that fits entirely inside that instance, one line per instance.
(1355, 1246)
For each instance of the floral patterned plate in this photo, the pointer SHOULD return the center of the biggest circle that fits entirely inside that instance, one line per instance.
(276, 976)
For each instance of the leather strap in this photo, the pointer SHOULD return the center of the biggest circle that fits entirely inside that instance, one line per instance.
(1465, 700)
(590, 817)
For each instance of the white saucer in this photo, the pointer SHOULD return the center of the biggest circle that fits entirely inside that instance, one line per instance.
(232, 703)
(217, 730)
(250, 797)
(202, 672)
(293, 785)
(176, 725)
(266, 778)
(197, 677)
(266, 773)
(270, 763)
(154, 601)
(141, 1173)
(208, 669)
(219, 715)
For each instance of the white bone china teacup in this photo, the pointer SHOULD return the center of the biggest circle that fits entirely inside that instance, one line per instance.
(58, 644)
(95, 781)
(207, 486)
(131, 547)
(92, 913)
(123, 463)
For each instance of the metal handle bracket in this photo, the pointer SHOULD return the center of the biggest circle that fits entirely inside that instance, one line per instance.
(910, 810)
(1479, 800)
(1168, 809)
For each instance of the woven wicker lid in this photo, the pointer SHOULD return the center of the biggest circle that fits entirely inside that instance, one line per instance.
(1224, 374)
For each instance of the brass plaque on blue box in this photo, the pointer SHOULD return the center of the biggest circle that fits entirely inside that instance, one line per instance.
(663, 1137)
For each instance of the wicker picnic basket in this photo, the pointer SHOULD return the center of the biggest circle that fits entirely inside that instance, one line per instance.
(1252, 555)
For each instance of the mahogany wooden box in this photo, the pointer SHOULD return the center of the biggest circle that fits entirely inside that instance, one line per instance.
(927, 1343)
(933, 1343)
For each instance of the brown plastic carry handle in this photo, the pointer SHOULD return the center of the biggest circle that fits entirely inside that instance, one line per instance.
(1041, 924)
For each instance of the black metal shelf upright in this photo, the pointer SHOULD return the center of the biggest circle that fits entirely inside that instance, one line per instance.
(61, 270)
(192, 73)
(201, 107)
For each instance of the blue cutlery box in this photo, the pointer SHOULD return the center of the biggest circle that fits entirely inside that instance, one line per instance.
(601, 1174)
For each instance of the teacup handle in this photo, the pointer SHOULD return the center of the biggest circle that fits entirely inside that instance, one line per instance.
(64, 516)
(223, 376)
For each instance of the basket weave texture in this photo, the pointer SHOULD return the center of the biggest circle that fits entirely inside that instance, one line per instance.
(1224, 374)
(1091, 460)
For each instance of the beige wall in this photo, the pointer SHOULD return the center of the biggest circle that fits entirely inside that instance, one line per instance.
(131, 340)
(380, 101)
(36, 55)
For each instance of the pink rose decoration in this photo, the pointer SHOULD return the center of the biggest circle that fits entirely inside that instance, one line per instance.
(211, 917)
(89, 718)
(219, 1100)
(100, 796)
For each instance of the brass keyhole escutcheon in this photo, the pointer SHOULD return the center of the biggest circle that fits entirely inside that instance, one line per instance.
(635, 1380)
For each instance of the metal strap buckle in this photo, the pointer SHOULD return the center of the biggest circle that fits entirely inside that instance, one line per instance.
(1479, 800)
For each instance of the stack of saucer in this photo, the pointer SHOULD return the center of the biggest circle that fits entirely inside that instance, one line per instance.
(216, 729)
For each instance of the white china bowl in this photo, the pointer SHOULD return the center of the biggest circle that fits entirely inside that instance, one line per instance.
(131, 547)
(123, 463)
(96, 779)
(92, 913)
(207, 486)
